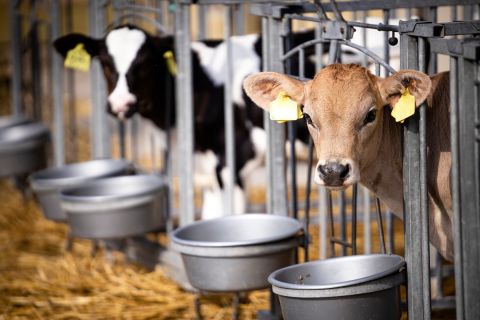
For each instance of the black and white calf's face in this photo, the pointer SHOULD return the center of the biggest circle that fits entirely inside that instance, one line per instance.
(132, 63)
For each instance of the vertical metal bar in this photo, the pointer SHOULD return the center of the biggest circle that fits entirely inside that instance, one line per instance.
(202, 21)
(422, 54)
(343, 220)
(332, 226)
(386, 47)
(433, 61)
(57, 94)
(16, 40)
(277, 191)
(469, 211)
(100, 145)
(467, 12)
(364, 39)
(72, 137)
(307, 196)
(414, 236)
(453, 13)
(184, 92)
(229, 116)
(34, 46)
(390, 240)
(323, 222)
(380, 226)
(354, 219)
(367, 233)
(291, 127)
(239, 16)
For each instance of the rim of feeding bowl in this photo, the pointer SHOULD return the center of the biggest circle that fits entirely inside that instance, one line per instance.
(158, 183)
(296, 228)
(23, 132)
(43, 179)
(399, 263)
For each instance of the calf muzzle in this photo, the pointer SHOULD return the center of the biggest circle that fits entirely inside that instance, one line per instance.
(333, 174)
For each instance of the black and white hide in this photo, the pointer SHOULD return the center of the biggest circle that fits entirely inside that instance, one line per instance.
(139, 82)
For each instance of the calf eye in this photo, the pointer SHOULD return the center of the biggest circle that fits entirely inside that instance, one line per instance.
(308, 120)
(370, 117)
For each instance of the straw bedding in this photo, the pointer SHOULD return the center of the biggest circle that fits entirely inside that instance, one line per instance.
(39, 280)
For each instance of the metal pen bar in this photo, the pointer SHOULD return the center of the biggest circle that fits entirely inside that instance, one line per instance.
(202, 22)
(343, 219)
(422, 54)
(184, 92)
(411, 192)
(34, 44)
(73, 136)
(276, 133)
(354, 219)
(469, 211)
(57, 89)
(229, 116)
(332, 226)
(433, 63)
(367, 232)
(380, 226)
(307, 196)
(291, 126)
(99, 127)
(16, 56)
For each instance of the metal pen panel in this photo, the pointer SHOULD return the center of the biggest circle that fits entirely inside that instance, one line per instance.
(57, 88)
(16, 55)
(277, 185)
(229, 116)
(184, 93)
(469, 212)
(100, 135)
(412, 199)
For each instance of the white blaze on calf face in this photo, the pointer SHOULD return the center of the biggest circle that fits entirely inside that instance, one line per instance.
(245, 61)
(123, 45)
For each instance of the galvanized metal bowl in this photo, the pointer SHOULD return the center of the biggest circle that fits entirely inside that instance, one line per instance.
(354, 287)
(116, 207)
(48, 183)
(13, 120)
(236, 253)
(23, 147)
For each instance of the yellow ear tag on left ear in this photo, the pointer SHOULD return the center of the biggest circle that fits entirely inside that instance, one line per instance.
(78, 58)
(171, 64)
(405, 107)
(284, 109)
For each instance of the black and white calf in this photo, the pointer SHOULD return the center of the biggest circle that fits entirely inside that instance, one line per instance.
(139, 81)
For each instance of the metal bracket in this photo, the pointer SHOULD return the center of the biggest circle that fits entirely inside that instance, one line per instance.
(336, 30)
(421, 28)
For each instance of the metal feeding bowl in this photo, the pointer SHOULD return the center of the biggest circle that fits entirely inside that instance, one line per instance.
(348, 288)
(236, 253)
(23, 146)
(48, 183)
(116, 207)
(14, 120)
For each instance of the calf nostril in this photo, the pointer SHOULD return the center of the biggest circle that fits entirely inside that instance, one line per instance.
(322, 171)
(344, 171)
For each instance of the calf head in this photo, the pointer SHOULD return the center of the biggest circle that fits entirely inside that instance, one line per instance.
(345, 110)
(133, 65)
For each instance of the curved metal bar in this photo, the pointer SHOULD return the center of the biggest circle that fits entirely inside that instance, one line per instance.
(118, 21)
(348, 43)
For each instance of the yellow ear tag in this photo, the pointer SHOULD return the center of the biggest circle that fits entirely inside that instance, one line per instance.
(405, 107)
(171, 64)
(78, 58)
(284, 109)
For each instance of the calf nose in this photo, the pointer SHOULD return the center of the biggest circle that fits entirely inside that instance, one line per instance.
(333, 173)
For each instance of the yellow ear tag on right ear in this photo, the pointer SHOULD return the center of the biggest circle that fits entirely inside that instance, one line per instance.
(171, 64)
(78, 58)
(405, 107)
(284, 109)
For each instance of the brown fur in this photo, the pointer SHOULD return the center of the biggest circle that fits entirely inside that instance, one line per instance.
(337, 100)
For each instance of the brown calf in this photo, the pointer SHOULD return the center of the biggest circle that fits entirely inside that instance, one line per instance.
(357, 140)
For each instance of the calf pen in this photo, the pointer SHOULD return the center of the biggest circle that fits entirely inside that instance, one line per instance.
(416, 37)
(420, 43)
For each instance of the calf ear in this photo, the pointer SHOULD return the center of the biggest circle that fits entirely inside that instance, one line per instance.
(418, 83)
(70, 41)
(264, 87)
